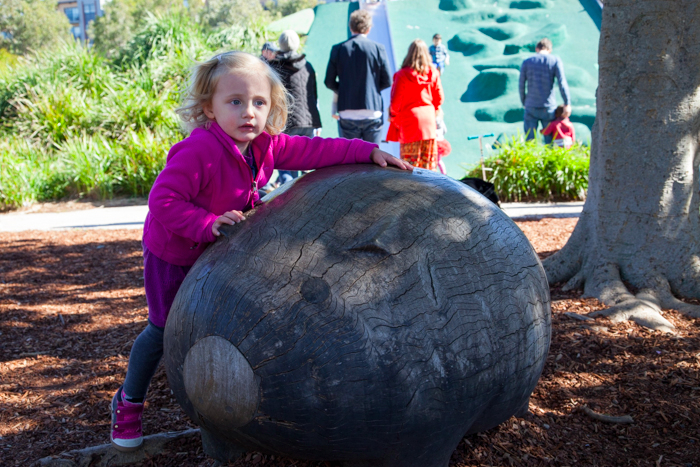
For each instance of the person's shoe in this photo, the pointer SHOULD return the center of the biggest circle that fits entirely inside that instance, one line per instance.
(126, 434)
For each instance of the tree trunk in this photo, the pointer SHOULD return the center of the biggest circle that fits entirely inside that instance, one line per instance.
(636, 243)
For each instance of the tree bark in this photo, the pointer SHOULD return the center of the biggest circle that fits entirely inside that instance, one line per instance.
(636, 243)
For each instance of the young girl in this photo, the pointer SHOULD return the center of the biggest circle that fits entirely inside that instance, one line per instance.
(561, 129)
(237, 108)
(415, 97)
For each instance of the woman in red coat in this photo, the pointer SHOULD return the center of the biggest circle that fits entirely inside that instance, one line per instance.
(415, 97)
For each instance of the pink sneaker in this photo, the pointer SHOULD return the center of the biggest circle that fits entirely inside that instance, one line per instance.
(126, 434)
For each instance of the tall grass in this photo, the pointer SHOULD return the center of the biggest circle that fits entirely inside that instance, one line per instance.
(531, 171)
(74, 123)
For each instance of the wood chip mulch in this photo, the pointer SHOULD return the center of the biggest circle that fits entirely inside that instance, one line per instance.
(72, 302)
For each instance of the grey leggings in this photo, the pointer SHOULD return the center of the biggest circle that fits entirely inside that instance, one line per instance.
(143, 362)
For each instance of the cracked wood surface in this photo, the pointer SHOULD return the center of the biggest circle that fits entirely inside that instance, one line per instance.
(374, 306)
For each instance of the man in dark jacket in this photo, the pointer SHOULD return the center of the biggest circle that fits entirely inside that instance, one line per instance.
(358, 71)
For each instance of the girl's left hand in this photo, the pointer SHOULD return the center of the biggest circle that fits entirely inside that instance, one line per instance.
(383, 159)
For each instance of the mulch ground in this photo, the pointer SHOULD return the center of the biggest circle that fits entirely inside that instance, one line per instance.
(72, 302)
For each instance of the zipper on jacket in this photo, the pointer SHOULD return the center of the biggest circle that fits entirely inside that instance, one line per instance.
(254, 182)
(253, 189)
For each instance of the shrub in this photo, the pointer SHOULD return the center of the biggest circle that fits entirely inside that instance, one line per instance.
(31, 24)
(76, 123)
(531, 171)
(247, 37)
(160, 38)
(223, 13)
(7, 60)
(73, 126)
(122, 19)
(287, 7)
(27, 174)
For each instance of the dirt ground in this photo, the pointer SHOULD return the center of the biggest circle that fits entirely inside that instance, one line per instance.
(72, 302)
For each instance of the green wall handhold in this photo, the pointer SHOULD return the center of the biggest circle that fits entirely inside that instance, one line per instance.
(583, 114)
(527, 43)
(509, 61)
(452, 5)
(502, 32)
(531, 4)
(578, 77)
(491, 84)
(475, 44)
(478, 16)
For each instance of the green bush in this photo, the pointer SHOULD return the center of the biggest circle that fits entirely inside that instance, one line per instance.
(31, 24)
(287, 7)
(27, 174)
(77, 123)
(531, 171)
(74, 126)
(160, 38)
(7, 59)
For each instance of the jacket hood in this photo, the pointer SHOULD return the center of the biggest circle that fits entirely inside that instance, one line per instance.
(292, 61)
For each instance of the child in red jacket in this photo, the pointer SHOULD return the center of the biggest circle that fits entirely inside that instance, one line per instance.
(561, 129)
(236, 108)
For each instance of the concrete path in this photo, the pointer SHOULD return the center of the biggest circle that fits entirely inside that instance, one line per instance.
(125, 217)
(132, 217)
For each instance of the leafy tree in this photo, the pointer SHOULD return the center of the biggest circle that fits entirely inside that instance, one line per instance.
(30, 24)
(158, 38)
(122, 19)
(225, 13)
(287, 7)
(637, 244)
(7, 59)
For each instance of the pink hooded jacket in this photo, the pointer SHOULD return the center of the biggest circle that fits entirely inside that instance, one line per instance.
(205, 175)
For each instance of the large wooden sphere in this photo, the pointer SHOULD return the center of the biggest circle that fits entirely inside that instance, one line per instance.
(365, 315)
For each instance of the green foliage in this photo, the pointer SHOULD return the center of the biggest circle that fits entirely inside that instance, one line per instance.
(73, 126)
(248, 37)
(160, 38)
(30, 24)
(27, 173)
(218, 14)
(287, 7)
(7, 59)
(122, 19)
(76, 122)
(531, 171)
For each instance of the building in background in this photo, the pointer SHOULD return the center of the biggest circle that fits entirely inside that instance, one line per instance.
(80, 13)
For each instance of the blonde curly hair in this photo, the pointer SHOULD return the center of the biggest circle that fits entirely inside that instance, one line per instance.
(205, 76)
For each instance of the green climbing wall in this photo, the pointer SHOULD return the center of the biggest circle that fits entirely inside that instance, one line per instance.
(487, 42)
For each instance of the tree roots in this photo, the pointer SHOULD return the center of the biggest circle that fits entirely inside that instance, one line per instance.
(606, 418)
(105, 455)
(604, 282)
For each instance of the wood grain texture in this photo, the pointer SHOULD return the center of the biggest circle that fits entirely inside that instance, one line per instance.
(220, 382)
(385, 314)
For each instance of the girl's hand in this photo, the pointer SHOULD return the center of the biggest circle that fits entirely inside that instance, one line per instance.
(382, 159)
(230, 218)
